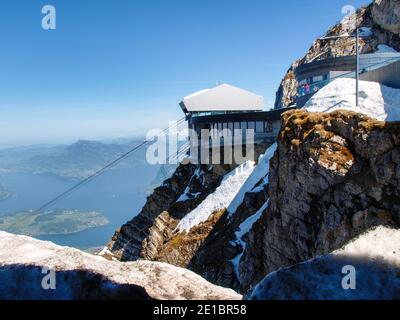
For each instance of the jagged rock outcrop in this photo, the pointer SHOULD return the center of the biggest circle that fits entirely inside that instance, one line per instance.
(143, 237)
(334, 175)
(386, 13)
(381, 18)
(25, 264)
(214, 259)
(366, 268)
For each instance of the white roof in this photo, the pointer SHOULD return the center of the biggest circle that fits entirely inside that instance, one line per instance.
(222, 98)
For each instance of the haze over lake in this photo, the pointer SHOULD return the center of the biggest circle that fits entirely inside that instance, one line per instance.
(118, 194)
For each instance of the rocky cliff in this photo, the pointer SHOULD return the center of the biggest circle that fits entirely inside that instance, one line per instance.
(145, 236)
(334, 175)
(382, 20)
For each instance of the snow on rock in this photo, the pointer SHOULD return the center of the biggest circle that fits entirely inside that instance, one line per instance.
(365, 32)
(375, 100)
(244, 229)
(256, 181)
(220, 198)
(187, 195)
(375, 255)
(24, 264)
(383, 48)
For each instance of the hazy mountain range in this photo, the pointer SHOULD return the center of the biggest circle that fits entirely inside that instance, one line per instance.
(77, 160)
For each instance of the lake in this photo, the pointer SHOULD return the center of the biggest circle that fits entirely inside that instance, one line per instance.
(119, 194)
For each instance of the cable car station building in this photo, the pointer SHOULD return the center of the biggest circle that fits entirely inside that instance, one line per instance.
(226, 108)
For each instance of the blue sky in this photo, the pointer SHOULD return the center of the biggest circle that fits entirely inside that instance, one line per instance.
(118, 68)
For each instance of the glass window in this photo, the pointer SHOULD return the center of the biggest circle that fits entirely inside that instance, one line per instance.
(318, 78)
(230, 126)
(219, 126)
(268, 126)
(237, 125)
(251, 125)
(259, 126)
(244, 125)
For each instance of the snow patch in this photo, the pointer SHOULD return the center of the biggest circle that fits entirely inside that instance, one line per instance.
(187, 195)
(259, 175)
(365, 32)
(383, 48)
(375, 100)
(220, 198)
(244, 229)
(375, 256)
(21, 260)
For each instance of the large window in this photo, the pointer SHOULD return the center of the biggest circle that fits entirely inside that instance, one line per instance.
(259, 126)
(251, 125)
(268, 126)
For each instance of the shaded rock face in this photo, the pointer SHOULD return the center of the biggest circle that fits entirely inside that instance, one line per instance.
(143, 237)
(24, 274)
(386, 14)
(213, 260)
(334, 175)
(381, 17)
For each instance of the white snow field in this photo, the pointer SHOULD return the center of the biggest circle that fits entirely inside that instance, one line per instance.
(220, 198)
(383, 48)
(375, 256)
(79, 275)
(257, 180)
(375, 100)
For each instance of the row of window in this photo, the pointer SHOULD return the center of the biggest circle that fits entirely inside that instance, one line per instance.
(257, 126)
(314, 79)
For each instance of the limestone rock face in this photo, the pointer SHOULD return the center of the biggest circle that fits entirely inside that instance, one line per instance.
(386, 14)
(213, 260)
(25, 264)
(333, 176)
(287, 89)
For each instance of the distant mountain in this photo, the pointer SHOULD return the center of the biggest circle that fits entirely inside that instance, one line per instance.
(74, 161)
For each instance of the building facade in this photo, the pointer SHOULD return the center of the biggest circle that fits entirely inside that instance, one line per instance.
(225, 117)
(379, 67)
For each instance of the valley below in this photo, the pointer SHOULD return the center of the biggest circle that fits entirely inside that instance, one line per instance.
(51, 222)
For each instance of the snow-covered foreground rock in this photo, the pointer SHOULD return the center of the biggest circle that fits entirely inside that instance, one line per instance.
(375, 100)
(79, 275)
(375, 255)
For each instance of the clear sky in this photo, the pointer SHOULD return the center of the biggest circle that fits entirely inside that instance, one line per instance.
(117, 68)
